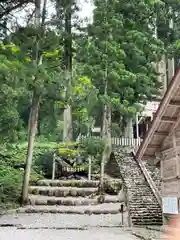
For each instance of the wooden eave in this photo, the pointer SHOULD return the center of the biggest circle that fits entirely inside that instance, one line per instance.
(166, 119)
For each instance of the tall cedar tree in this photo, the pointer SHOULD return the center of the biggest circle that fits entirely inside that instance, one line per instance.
(65, 10)
(121, 53)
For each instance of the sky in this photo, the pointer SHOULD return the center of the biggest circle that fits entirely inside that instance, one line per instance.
(86, 11)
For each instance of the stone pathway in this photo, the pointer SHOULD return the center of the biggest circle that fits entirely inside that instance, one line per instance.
(62, 226)
(48, 220)
(49, 226)
(90, 234)
(147, 234)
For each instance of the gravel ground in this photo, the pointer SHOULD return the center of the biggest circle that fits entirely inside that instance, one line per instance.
(61, 220)
(69, 226)
(62, 226)
(90, 234)
(147, 234)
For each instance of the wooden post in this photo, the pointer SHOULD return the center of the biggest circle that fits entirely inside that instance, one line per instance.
(175, 150)
(53, 167)
(122, 214)
(89, 168)
(137, 130)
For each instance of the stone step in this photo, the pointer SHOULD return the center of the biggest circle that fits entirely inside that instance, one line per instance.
(146, 216)
(157, 223)
(146, 219)
(61, 191)
(152, 210)
(142, 200)
(149, 211)
(140, 191)
(141, 205)
(105, 208)
(136, 207)
(144, 206)
(148, 194)
(140, 188)
(68, 201)
(141, 197)
(68, 183)
(144, 211)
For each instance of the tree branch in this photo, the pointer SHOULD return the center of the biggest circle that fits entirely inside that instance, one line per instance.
(11, 8)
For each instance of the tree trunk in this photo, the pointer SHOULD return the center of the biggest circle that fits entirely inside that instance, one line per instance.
(129, 128)
(32, 132)
(38, 127)
(33, 117)
(106, 136)
(106, 128)
(68, 129)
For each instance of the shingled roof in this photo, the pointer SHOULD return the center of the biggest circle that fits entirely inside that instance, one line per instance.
(166, 119)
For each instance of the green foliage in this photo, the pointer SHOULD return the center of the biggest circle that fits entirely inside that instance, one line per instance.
(11, 178)
(69, 150)
(10, 186)
(92, 146)
(68, 144)
(42, 160)
(122, 46)
(66, 152)
(168, 28)
(113, 64)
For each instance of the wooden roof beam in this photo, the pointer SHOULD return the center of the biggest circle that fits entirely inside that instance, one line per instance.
(148, 156)
(153, 146)
(168, 119)
(160, 133)
(174, 103)
(173, 127)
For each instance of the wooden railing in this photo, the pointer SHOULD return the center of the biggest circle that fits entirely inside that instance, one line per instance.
(68, 168)
(123, 141)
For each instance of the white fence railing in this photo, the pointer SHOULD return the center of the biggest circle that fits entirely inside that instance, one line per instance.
(123, 141)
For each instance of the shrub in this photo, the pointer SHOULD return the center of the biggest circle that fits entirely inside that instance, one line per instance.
(93, 146)
(11, 178)
(66, 152)
(10, 186)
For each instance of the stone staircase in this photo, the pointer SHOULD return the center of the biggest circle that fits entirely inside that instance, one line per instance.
(73, 197)
(143, 206)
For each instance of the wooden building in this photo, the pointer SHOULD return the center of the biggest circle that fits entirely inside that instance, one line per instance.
(161, 145)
